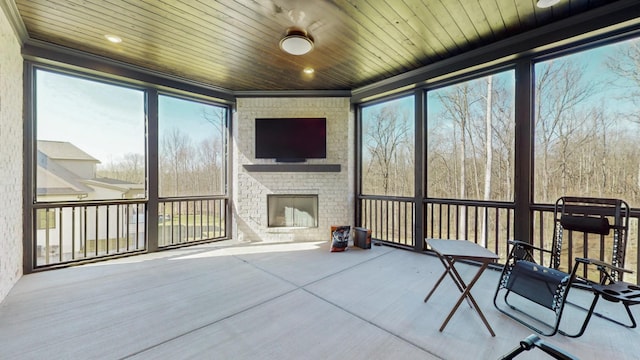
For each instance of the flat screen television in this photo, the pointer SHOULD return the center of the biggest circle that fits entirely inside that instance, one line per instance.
(291, 139)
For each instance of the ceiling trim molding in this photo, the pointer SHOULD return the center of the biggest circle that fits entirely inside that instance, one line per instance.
(10, 10)
(41, 51)
(293, 93)
(620, 15)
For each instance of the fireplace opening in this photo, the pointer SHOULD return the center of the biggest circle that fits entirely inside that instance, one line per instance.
(292, 210)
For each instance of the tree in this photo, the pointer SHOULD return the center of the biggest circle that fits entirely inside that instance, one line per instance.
(130, 169)
(214, 152)
(457, 102)
(560, 90)
(625, 64)
(389, 150)
(176, 154)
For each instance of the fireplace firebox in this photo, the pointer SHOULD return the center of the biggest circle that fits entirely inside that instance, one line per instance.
(292, 210)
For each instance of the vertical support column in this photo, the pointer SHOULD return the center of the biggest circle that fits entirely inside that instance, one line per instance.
(358, 166)
(228, 175)
(419, 171)
(524, 133)
(152, 170)
(28, 166)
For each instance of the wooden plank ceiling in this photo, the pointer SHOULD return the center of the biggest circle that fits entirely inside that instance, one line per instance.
(233, 44)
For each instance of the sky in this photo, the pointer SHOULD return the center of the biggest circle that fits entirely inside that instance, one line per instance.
(108, 121)
(104, 121)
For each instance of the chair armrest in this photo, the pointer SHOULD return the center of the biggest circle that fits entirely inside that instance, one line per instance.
(527, 245)
(602, 264)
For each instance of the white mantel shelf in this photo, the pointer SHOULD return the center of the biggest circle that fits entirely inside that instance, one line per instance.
(292, 167)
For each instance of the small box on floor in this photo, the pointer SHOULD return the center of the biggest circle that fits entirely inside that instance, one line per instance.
(362, 238)
(340, 237)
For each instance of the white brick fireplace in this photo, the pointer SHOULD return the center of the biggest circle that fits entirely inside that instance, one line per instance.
(331, 179)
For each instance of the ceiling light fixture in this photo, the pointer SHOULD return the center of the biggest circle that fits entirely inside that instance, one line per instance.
(296, 42)
(113, 38)
(546, 3)
(308, 71)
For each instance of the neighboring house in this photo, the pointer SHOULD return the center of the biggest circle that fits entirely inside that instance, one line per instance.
(67, 173)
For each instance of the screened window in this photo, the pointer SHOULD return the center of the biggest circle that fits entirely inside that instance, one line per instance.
(192, 143)
(587, 108)
(470, 139)
(90, 139)
(388, 148)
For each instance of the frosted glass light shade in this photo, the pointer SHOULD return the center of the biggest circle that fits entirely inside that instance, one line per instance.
(296, 44)
(546, 3)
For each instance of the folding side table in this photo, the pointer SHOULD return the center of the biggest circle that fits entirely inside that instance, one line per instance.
(450, 251)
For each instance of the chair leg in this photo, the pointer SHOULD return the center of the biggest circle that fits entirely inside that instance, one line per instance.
(626, 307)
(586, 320)
(602, 316)
(633, 320)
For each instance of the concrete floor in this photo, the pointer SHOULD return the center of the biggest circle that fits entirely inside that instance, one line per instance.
(228, 300)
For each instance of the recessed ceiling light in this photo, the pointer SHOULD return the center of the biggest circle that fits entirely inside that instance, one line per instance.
(546, 3)
(308, 71)
(113, 38)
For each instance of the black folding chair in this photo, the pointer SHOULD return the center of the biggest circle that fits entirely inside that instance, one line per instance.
(547, 286)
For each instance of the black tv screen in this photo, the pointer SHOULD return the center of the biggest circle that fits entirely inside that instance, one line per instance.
(291, 139)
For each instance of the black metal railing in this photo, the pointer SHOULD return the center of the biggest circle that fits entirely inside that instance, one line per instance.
(390, 219)
(486, 223)
(490, 224)
(191, 220)
(72, 232)
(66, 233)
